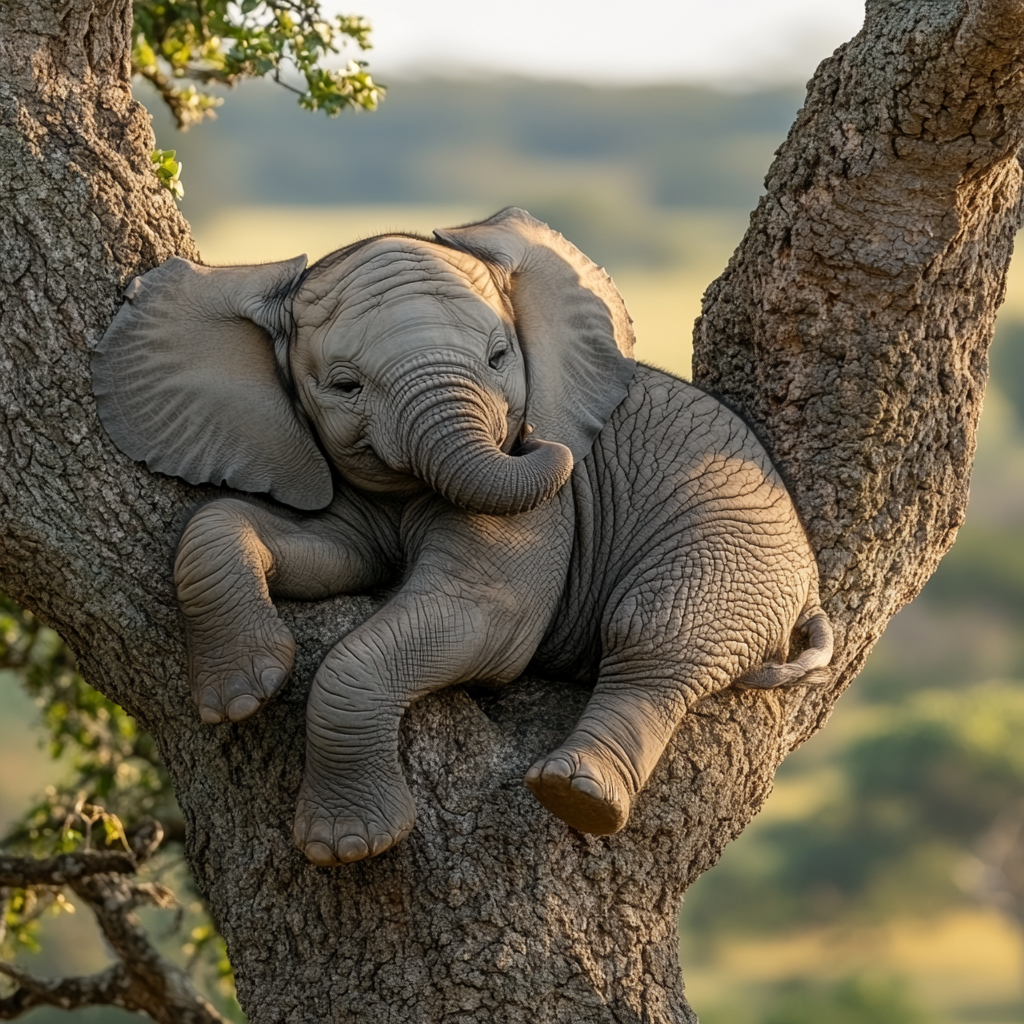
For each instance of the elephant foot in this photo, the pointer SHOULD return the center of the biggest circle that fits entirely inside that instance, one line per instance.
(583, 787)
(232, 680)
(338, 820)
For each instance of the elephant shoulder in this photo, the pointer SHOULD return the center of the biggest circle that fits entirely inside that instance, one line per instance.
(674, 418)
(658, 400)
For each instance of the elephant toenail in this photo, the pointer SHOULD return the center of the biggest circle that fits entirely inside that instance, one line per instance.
(380, 844)
(210, 716)
(242, 707)
(320, 854)
(532, 775)
(588, 787)
(271, 680)
(352, 848)
(558, 769)
(209, 697)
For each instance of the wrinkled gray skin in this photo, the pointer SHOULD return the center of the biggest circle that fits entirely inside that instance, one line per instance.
(662, 557)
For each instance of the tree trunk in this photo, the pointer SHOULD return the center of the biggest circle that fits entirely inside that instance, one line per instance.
(851, 328)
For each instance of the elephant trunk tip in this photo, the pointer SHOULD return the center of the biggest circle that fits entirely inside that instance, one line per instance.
(452, 439)
(535, 472)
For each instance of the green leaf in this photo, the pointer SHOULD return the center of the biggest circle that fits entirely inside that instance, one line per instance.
(168, 171)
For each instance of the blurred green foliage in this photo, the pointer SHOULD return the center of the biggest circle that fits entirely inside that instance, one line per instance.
(984, 568)
(1008, 363)
(222, 42)
(917, 793)
(114, 765)
(116, 782)
(856, 1000)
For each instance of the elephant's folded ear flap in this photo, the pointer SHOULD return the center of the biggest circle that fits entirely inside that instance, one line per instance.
(576, 335)
(192, 379)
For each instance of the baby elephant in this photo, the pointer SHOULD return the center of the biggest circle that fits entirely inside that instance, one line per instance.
(460, 419)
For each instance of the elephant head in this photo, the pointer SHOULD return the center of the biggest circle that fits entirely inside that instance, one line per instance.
(481, 364)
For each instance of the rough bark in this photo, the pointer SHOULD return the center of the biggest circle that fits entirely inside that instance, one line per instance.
(850, 328)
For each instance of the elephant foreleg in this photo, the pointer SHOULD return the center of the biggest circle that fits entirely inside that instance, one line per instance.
(232, 558)
(354, 801)
(475, 606)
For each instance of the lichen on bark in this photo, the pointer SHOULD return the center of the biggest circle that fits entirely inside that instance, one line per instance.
(850, 328)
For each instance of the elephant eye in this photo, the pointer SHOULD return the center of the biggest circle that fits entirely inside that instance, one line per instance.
(498, 357)
(347, 387)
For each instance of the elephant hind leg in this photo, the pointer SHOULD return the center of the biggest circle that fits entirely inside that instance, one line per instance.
(590, 781)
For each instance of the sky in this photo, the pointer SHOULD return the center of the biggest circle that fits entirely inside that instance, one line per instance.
(728, 42)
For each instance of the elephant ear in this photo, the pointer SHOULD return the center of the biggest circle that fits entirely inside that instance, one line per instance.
(192, 379)
(575, 333)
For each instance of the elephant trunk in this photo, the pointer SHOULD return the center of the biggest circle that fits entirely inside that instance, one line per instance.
(452, 433)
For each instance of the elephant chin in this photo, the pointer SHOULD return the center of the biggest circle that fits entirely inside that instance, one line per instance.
(475, 474)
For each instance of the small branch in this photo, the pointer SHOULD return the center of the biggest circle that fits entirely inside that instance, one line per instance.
(284, 85)
(142, 980)
(112, 898)
(108, 988)
(186, 105)
(145, 838)
(54, 872)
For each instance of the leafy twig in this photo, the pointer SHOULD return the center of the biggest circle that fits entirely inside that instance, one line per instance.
(220, 43)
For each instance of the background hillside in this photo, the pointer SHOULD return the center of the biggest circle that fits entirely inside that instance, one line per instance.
(884, 882)
(498, 142)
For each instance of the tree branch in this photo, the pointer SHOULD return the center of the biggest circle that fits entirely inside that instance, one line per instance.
(187, 106)
(108, 988)
(853, 322)
(56, 872)
(175, 1002)
(142, 979)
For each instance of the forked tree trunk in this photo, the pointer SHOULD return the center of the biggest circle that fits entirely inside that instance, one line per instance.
(851, 328)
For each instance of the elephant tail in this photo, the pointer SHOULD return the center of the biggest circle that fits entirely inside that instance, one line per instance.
(810, 668)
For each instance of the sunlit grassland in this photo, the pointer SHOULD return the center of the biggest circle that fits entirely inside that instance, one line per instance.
(964, 966)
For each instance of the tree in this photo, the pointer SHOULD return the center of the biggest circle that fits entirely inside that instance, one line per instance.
(851, 328)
